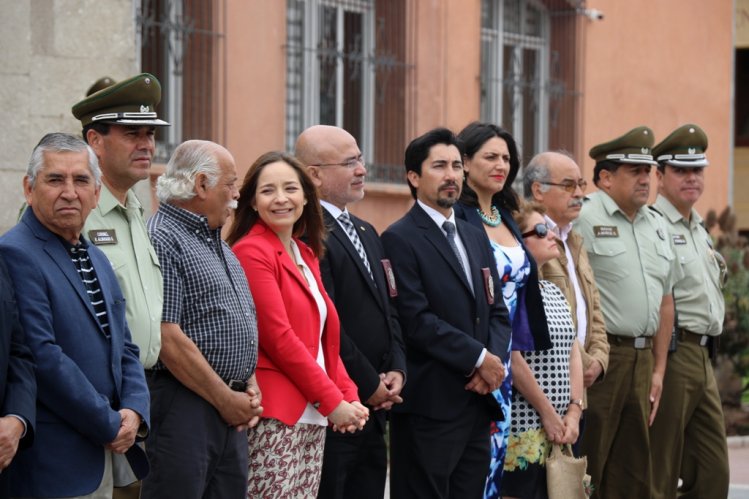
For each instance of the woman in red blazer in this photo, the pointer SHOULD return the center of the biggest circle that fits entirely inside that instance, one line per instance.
(299, 372)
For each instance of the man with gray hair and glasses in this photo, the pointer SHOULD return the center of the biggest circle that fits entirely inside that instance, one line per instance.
(203, 387)
(554, 180)
(92, 400)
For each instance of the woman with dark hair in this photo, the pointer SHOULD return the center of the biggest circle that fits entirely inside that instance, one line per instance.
(547, 383)
(491, 163)
(300, 374)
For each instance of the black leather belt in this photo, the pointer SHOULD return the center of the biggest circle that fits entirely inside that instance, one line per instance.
(234, 384)
(692, 337)
(638, 343)
(237, 385)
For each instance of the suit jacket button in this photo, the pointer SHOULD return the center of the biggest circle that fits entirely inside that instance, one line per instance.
(478, 320)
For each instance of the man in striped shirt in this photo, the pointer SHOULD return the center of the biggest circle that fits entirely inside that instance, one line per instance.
(92, 398)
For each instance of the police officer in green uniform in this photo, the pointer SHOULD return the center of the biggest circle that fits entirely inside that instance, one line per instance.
(688, 437)
(119, 122)
(634, 267)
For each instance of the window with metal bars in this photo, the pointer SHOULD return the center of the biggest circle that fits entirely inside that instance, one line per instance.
(181, 45)
(529, 82)
(345, 67)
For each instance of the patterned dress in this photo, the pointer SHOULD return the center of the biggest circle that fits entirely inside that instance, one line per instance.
(524, 473)
(513, 268)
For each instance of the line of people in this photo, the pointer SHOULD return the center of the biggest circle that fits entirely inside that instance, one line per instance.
(482, 326)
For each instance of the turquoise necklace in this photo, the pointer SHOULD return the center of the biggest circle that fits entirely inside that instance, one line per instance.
(492, 221)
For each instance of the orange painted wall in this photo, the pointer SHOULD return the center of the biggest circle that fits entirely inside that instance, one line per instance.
(662, 64)
(256, 78)
(446, 56)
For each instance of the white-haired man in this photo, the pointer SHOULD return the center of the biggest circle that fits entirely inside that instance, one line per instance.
(203, 387)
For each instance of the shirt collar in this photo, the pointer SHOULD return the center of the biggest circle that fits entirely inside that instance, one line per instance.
(435, 215)
(611, 207)
(562, 232)
(672, 214)
(191, 220)
(107, 201)
(334, 211)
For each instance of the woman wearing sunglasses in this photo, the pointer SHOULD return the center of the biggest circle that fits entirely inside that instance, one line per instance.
(491, 163)
(546, 381)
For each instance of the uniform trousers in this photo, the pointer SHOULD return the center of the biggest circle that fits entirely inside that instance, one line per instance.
(616, 438)
(193, 452)
(439, 459)
(688, 437)
(355, 464)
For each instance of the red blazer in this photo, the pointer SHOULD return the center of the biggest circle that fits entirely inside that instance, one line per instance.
(288, 329)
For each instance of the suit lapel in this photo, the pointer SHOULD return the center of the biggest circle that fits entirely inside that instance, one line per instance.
(62, 259)
(473, 254)
(340, 235)
(438, 239)
(379, 287)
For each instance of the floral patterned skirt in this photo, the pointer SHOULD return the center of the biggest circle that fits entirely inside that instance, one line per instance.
(285, 461)
(525, 465)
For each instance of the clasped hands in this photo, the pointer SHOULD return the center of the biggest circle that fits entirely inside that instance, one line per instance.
(387, 392)
(488, 376)
(348, 417)
(242, 410)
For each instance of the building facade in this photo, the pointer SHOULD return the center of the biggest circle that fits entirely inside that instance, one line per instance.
(559, 74)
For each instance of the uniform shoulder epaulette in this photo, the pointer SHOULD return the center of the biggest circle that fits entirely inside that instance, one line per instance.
(656, 210)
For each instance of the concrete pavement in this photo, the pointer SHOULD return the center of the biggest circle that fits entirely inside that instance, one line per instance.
(738, 457)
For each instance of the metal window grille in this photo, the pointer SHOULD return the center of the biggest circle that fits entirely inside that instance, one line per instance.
(528, 71)
(182, 45)
(345, 67)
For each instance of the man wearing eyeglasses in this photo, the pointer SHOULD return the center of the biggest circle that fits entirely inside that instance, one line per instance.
(688, 437)
(635, 269)
(554, 180)
(360, 280)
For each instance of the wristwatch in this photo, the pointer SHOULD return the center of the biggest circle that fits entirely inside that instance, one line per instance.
(577, 402)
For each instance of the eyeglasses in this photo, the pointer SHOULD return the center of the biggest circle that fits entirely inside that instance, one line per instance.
(539, 230)
(349, 163)
(569, 185)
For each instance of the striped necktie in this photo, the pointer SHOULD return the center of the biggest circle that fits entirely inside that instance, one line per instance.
(348, 226)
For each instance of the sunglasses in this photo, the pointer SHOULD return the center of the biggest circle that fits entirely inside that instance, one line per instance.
(539, 230)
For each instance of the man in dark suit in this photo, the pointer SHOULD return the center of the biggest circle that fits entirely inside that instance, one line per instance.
(455, 326)
(359, 280)
(92, 399)
(17, 383)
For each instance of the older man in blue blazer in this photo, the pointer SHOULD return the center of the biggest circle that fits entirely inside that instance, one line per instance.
(455, 326)
(92, 399)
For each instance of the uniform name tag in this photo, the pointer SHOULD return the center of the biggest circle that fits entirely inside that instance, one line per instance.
(679, 239)
(102, 236)
(606, 231)
(389, 277)
(488, 285)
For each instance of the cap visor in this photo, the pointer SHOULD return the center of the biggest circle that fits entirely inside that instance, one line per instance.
(687, 164)
(635, 161)
(130, 121)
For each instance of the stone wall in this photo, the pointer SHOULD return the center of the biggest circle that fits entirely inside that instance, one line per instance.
(52, 51)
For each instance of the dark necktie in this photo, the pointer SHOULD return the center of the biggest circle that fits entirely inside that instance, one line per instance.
(450, 230)
(348, 226)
